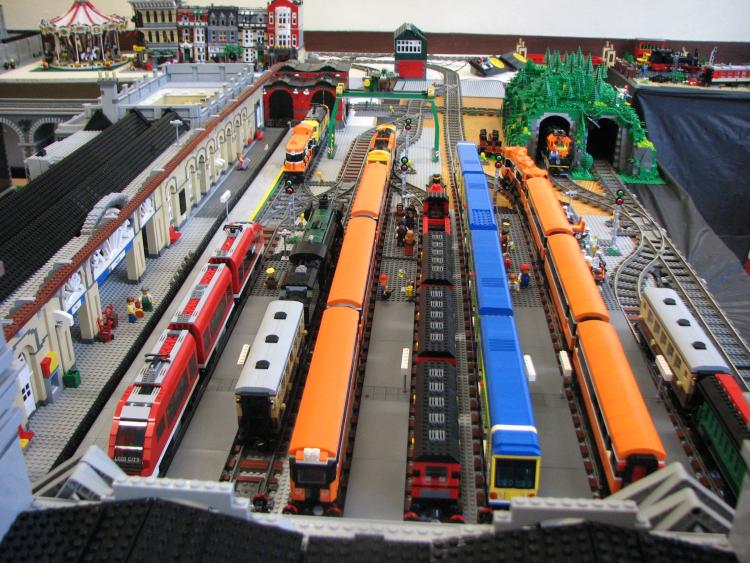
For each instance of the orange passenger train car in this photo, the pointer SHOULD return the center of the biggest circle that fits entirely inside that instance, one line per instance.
(545, 214)
(321, 431)
(574, 292)
(629, 446)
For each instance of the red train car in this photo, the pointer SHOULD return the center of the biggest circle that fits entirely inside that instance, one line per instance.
(436, 208)
(149, 411)
(240, 251)
(205, 309)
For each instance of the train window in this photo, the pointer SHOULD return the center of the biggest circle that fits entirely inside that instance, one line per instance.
(176, 400)
(663, 338)
(281, 315)
(670, 349)
(131, 434)
(515, 473)
(699, 345)
(311, 476)
(677, 363)
(508, 163)
(207, 339)
(670, 301)
(436, 472)
(262, 364)
(683, 322)
(272, 339)
(160, 428)
(299, 157)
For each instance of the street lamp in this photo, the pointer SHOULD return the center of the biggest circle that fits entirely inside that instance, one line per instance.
(176, 123)
(225, 200)
(285, 233)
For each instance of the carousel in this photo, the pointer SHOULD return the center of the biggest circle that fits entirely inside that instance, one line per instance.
(85, 39)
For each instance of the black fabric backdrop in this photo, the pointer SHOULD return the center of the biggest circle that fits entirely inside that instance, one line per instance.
(703, 146)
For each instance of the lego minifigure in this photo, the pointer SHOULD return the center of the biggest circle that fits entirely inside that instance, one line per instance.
(400, 233)
(514, 283)
(271, 282)
(525, 276)
(409, 242)
(409, 291)
(399, 211)
(147, 303)
(131, 310)
(382, 286)
(507, 262)
(411, 217)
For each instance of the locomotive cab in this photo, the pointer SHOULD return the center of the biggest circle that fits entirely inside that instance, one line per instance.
(129, 444)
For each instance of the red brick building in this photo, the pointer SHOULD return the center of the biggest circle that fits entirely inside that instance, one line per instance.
(296, 86)
(284, 37)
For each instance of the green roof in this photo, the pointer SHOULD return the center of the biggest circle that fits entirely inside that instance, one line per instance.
(410, 27)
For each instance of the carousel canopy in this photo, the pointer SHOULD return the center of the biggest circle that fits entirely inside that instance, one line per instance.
(83, 17)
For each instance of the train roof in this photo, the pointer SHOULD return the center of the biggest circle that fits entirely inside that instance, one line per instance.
(437, 258)
(511, 415)
(479, 204)
(300, 136)
(265, 364)
(352, 278)
(317, 111)
(696, 349)
(168, 357)
(490, 276)
(438, 327)
(468, 158)
(373, 186)
(322, 412)
(211, 277)
(619, 397)
(581, 292)
(551, 216)
(436, 431)
(237, 234)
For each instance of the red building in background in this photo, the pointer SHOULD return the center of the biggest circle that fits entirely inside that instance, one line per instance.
(296, 86)
(284, 37)
(410, 52)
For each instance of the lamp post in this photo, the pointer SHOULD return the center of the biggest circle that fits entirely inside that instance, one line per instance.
(225, 200)
(176, 123)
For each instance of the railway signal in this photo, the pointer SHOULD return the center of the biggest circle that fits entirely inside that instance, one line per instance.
(289, 187)
(408, 124)
(404, 163)
(620, 199)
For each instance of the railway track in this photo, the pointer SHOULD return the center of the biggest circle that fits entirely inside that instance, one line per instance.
(656, 260)
(473, 492)
(656, 256)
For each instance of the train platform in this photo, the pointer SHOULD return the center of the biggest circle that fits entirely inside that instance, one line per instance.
(206, 444)
(378, 467)
(563, 473)
(97, 361)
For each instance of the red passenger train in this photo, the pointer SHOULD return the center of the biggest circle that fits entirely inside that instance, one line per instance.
(240, 252)
(149, 414)
(205, 309)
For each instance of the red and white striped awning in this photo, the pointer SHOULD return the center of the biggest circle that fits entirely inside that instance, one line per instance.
(83, 15)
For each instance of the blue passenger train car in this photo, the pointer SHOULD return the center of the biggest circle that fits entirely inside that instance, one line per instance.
(512, 445)
(491, 283)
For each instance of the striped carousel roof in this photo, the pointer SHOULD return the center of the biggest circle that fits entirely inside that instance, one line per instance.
(82, 13)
